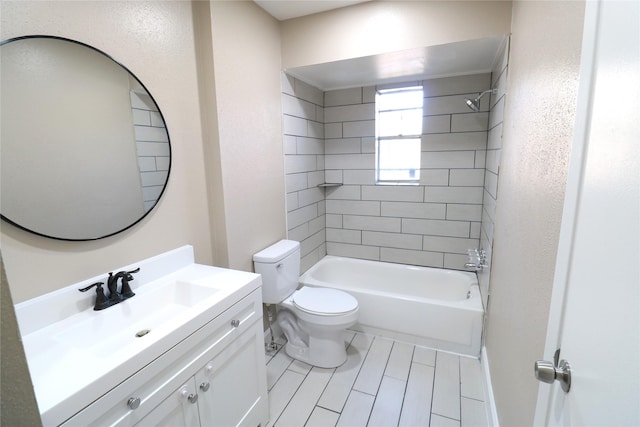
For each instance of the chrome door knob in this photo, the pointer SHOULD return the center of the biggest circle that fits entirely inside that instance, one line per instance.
(547, 372)
(205, 387)
(235, 323)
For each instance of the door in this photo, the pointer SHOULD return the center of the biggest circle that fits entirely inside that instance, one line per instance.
(595, 307)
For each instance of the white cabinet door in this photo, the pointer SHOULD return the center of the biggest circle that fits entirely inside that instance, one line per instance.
(179, 409)
(232, 386)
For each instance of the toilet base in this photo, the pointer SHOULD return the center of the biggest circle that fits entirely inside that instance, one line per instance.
(317, 345)
(323, 352)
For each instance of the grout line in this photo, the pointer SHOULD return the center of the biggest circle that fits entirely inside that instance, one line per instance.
(471, 398)
(460, 389)
(406, 383)
(444, 416)
(404, 394)
(327, 409)
(433, 386)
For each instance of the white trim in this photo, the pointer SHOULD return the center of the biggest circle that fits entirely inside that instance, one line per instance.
(490, 403)
(572, 198)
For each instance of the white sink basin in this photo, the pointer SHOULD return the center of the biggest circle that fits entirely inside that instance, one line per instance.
(135, 319)
(75, 353)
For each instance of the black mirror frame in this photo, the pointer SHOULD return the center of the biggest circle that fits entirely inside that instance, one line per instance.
(40, 36)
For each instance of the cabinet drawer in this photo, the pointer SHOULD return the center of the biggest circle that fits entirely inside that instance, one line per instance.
(153, 383)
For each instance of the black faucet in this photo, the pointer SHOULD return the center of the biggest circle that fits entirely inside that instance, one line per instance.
(115, 297)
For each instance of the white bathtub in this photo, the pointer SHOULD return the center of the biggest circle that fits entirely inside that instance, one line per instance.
(433, 307)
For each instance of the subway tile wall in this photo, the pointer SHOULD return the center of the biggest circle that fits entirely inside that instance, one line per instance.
(329, 137)
(304, 148)
(431, 224)
(492, 169)
(152, 144)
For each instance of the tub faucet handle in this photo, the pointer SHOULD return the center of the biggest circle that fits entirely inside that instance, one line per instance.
(477, 259)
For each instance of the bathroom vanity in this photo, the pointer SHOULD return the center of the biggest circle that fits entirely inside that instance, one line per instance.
(187, 349)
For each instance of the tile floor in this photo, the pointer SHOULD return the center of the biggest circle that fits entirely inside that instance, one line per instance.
(383, 383)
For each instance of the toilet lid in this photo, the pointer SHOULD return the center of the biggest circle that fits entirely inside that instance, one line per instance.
(324, 301)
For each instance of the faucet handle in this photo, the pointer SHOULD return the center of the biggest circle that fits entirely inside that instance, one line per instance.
(101, 300)
(125, 290)
(98, 284)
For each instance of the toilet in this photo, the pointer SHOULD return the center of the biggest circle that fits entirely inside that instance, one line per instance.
(312, 319)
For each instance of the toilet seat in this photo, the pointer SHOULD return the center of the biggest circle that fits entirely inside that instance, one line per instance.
(324, 301)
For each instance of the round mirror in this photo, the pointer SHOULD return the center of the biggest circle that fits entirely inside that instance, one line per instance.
(84, 149)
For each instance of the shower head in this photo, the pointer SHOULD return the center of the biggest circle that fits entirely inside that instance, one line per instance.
(474, 104)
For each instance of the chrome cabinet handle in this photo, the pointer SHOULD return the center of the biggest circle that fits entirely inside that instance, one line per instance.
(205, 387)
(235, 323)
(547, 372)
(133, 402)
(208, 370)
(184, 392)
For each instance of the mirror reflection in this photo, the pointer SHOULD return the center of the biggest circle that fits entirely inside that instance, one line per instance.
(84, 149)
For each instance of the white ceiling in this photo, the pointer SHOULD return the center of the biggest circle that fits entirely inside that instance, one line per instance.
(452, 59)
(287, 9)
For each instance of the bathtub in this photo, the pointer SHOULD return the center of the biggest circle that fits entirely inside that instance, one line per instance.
(437, 308)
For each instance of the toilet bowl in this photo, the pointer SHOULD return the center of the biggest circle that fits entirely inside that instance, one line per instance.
(312, 319)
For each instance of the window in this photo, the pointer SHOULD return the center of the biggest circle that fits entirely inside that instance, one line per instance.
(398, 135)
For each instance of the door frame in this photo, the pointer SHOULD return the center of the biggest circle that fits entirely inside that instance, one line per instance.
(572, 197)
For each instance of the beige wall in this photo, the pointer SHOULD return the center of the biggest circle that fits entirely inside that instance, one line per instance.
(155, 41)
(538, 126)
(19, 406)
(377, 27)
(246, 62)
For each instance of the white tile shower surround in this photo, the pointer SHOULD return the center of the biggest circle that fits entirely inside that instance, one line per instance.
(383, 383)
(329, 137)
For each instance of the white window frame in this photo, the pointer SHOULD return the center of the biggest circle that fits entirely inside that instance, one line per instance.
(412, 178)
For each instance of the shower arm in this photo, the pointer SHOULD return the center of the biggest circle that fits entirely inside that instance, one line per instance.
(492, 91)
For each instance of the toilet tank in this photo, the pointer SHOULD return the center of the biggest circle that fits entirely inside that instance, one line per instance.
(279, 265)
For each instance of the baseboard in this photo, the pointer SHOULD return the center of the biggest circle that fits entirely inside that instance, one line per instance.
(490, 403)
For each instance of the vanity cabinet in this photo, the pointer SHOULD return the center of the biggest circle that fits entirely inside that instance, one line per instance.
(215, 377)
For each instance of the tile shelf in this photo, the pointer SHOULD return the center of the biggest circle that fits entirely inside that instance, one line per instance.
(330, 184)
